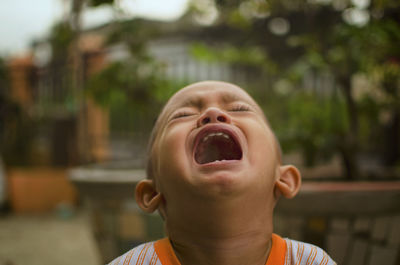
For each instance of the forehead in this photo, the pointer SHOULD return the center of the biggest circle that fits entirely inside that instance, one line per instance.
(196, 95)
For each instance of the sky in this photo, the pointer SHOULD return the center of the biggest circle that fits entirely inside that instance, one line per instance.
(22, 21)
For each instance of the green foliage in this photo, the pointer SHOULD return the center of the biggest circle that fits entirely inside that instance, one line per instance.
(96, 3)
(61, 36)
(3, 76)
(123, 81)
(16, 132)
(245, 56)
(133, 91)
(237, 20)
(313, 125)
(344, 53)
(319, 41)
(134, 88)
(134, 34)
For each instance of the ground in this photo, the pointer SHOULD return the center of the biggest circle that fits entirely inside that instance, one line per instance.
(47, 239)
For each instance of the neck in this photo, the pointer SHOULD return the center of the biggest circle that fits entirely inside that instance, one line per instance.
(240, 250)
(236, 233)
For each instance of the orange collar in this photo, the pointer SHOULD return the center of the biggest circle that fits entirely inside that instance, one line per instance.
(167, 255)
(278, 251)
(165, 252)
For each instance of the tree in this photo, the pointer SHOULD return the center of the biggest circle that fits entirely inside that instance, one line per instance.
(15, 125)
(338, 38)
(134, 84)
(77, 69)
(349, 50)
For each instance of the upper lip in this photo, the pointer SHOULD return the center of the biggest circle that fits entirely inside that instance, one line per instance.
(215, 128)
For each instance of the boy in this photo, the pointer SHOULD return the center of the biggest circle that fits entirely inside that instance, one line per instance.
(214, 174)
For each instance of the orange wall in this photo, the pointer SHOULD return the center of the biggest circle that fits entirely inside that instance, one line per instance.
(39, 189)
(20, 75)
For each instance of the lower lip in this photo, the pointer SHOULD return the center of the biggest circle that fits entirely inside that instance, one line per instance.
(222, 164)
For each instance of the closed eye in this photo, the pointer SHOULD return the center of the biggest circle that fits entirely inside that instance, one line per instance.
(241, 107)
(182, 114)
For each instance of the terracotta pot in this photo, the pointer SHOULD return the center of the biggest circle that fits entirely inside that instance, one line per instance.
(35, 190)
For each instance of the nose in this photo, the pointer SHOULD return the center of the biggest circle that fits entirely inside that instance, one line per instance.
(213, 115)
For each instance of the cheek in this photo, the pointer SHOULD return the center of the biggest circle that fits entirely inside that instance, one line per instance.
(262, 141)
(172, 155)
(262, 148)
(173, 137)
(263, 160)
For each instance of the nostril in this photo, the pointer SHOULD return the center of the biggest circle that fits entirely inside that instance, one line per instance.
(221, 118)
(212, 115)
(205, 120)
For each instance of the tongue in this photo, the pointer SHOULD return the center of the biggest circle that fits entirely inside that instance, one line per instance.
(217, 148)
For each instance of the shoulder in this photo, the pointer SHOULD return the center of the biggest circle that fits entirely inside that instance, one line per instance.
(143, 254)
(305, 254)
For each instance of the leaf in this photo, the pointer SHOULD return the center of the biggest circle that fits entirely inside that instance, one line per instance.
(203, 52)
(96, 3)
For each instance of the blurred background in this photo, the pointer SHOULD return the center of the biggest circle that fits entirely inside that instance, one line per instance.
(82, 82)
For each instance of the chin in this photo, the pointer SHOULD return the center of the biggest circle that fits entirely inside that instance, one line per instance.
(221, 182)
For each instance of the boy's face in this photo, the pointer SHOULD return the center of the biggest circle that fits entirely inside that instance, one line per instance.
(213, 141)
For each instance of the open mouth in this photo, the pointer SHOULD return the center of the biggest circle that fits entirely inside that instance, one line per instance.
(217, 145)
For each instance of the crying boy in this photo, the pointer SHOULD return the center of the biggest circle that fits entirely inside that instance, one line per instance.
(215, 174)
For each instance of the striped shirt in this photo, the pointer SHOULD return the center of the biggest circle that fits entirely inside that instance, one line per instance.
(283, 252)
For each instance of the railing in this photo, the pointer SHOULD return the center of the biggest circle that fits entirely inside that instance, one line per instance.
(357, 223)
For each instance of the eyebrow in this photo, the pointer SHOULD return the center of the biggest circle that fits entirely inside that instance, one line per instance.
(192, 102)
(227, 98)
(198, 101)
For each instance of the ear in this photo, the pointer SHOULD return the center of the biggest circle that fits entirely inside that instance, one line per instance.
(289, 181)
(147, 196)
